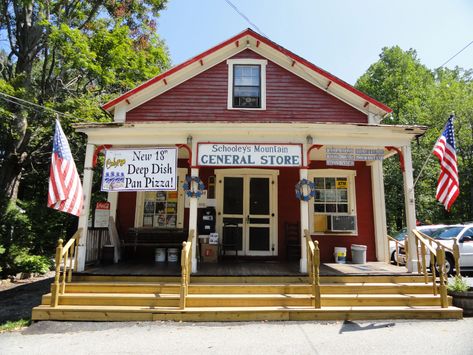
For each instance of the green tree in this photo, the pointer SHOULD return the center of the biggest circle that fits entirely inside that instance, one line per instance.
(70, 56)
(422, 96)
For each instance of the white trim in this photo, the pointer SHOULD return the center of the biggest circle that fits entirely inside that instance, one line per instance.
(410, 207)
(140, 197)
(350, 175)
(247, 61)
(246, 174)
(379, 210)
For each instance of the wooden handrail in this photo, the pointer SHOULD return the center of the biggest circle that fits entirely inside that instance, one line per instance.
(455, 250)
(397, 242)
(439, 254)
(64, 254)
(313, 268)
(186, 268)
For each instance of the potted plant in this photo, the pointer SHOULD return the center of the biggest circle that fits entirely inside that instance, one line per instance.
(462, 294)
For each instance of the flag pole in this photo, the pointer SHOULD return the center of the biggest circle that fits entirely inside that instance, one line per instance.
(430, 154)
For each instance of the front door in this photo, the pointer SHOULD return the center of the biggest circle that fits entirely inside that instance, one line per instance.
(247, 203)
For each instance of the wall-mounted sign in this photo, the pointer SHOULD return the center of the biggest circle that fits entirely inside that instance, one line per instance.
(249, 154)
(102, 214)
(150, 169)
(346, 156)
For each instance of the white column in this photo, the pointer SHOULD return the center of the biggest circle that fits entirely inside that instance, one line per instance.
(112, 197)
(193, 205)
(304, 206)
(410, 206)
(84, 217)
(379, 211)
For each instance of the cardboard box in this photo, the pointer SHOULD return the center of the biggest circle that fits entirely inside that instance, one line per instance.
(209, 253)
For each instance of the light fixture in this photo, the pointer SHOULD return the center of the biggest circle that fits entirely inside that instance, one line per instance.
(309, 139)
(189, 140)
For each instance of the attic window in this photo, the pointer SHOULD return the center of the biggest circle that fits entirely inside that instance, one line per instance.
(247, 84)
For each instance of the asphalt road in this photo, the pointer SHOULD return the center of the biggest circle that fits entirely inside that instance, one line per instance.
(368, 337)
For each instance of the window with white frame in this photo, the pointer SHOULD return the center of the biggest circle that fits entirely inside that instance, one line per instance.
(333, 209)
(246, 84)
(161, 209)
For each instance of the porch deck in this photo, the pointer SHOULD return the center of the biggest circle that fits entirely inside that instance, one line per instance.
(244, 268)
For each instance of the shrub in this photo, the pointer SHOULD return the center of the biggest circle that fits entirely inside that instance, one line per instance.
(459, 284)
(27, 263)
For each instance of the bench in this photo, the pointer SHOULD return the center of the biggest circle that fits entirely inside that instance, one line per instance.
(154, 237)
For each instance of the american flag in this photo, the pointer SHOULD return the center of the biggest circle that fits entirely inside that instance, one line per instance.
(65, 190)
(448, 187)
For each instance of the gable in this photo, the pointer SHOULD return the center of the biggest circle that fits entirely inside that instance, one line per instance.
(289, 98)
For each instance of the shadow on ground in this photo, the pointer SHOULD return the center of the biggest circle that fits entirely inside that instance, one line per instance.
(16, 303)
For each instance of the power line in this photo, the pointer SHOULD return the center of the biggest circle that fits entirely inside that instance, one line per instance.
(25, 103)
(245, 17)
(461, 50)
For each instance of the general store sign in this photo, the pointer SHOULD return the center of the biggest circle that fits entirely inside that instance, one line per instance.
(249, 154)
(150, 169)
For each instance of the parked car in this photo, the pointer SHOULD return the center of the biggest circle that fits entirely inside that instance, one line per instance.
(401, 236)
(463, 234)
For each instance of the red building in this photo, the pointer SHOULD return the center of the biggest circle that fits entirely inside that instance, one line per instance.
(249, 92)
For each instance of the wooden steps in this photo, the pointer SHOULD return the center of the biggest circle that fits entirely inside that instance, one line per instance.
(244, 298)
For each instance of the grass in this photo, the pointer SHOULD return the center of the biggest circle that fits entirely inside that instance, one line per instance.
(11, 326)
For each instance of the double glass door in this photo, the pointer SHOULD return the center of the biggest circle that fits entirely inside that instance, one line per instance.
(247, 210)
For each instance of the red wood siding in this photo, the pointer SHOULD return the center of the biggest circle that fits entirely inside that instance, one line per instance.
(288, 99)
(364, 220)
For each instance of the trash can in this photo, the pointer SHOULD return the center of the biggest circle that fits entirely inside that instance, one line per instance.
(358, 254)
(340, 255)
(108, 254)
(160, 255)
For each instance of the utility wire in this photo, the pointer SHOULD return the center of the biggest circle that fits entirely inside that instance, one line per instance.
(461, 50)
(245, 17)
(25, 103)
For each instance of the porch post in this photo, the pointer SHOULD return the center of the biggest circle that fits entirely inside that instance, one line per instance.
(84, 216)
(410, 206)
(112, 197)
(193, 205)
(379, 210)
(304, 206)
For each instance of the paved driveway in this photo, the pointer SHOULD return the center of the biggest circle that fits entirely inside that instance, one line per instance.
(383, 337)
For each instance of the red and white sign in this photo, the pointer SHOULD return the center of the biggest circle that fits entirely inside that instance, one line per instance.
(102, 214)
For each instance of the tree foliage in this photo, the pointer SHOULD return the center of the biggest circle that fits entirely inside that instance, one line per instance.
(419, 95)
(70, 56)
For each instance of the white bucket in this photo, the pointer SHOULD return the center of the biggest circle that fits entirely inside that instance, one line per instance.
(172, 255)
(340, 255)
(160, 255)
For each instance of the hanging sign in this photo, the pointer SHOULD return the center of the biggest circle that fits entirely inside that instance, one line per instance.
(102, 214)
(150, 169)
(249, 154)
(346, 156)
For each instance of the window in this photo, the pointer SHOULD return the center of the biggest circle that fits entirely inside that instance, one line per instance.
(161, 209)
(333, 208)
(246, 84)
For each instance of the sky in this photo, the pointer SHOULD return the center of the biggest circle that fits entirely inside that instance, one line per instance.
(344, 37)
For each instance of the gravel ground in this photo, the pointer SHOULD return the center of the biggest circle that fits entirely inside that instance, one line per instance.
(383, 337)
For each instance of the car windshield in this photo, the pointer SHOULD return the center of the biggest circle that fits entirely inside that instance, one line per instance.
(401, 235)
(446, 233)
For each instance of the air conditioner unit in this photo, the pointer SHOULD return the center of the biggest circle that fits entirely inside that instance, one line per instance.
(341, 223)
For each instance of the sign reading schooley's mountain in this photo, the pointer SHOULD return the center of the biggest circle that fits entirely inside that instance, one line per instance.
(151, 169)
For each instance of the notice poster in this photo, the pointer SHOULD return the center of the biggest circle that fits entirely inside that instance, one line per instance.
(150, 169)
(102, 214)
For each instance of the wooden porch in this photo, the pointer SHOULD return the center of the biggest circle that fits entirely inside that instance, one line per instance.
(243, 268)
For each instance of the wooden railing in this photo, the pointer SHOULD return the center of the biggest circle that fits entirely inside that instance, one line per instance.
(397, 243)
(66, 256)
(186, 267)
(313, 267)
(424, 243)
